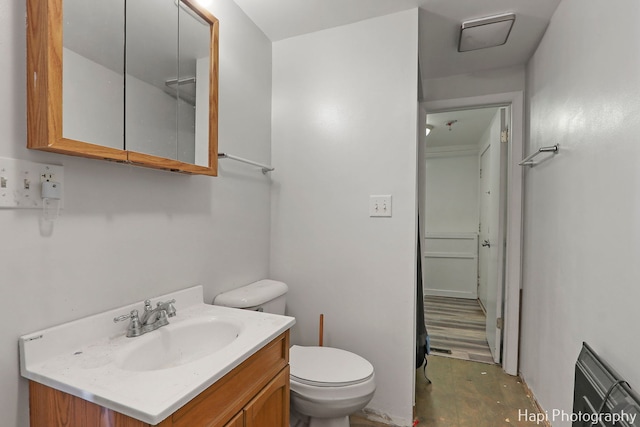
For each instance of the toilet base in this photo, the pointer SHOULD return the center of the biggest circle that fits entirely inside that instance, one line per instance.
(299, 420)
(329, 422)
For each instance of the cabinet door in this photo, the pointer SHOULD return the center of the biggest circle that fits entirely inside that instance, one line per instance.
(237, 421)
(271, 406)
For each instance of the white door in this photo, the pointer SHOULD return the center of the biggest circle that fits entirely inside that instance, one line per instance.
(483, 228)
(492, 235)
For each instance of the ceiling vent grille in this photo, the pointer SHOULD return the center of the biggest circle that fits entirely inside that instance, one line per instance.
(485, 32)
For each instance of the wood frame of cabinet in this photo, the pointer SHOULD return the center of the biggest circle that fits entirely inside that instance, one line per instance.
(256, 390)
(44, 94)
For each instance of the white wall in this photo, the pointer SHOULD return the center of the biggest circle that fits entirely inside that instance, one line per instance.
(582, 211)
(126, 232)
(201, 153)
(499, 80)
(84, 119)
(451, 189)
(152, 118)
(344, 128)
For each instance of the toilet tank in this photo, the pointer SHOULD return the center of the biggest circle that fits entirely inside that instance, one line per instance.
(264, 295)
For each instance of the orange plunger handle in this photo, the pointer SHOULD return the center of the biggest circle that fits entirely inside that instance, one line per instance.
(320, 338)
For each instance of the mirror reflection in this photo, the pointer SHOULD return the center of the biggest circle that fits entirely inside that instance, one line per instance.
(93, 72)
(194, 85)
(159, 104)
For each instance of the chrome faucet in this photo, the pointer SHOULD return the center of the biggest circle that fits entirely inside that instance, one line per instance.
(152, 318)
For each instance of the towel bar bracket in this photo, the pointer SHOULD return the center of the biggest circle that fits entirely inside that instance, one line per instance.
(528, 161)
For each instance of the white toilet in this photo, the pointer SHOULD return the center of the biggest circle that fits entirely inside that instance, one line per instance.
(327, 384)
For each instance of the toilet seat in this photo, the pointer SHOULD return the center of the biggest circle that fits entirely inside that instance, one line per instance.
(328, 367)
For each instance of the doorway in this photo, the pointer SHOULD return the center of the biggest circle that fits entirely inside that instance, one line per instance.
(510, 207)
(463, 190)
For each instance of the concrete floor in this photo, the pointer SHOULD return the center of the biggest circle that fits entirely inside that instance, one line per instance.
(465, 394)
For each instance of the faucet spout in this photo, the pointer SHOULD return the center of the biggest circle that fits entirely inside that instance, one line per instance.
(151, 315)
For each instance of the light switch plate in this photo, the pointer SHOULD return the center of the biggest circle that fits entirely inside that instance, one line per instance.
(21, 182)
(380, 206)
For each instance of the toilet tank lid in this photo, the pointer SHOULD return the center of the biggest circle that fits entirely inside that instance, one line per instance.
(252, 295)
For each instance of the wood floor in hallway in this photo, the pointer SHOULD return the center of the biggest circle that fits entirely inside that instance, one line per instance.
(466, 394)
(457, 325)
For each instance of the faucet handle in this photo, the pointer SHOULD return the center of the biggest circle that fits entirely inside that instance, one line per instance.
(135, 327)
(147, 305)
(169, 307)
(132, 315)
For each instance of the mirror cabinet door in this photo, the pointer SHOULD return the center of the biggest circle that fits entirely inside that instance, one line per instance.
(86, 133)
(171, 84)
(193, 86)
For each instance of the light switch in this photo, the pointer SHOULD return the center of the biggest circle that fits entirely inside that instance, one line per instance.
(380, 206)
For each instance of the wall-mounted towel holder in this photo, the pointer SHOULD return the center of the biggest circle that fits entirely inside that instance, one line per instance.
(528, 161)
(265, 168)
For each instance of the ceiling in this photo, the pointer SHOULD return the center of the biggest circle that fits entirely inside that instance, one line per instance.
(439, 26)
(467, 127)
(439, 22)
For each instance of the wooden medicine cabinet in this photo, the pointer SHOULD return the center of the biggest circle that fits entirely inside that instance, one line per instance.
(132, 81)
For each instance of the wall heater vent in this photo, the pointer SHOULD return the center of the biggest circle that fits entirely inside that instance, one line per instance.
(600, 392)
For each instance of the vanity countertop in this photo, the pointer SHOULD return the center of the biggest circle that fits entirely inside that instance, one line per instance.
(82, 357)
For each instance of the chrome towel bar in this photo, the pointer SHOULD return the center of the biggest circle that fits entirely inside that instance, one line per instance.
(529, 159)
(265, 168)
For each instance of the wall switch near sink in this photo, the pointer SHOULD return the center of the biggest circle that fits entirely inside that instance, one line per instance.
(24, 184)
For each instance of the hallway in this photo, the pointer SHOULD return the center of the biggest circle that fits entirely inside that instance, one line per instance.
(466, 394)
(457, 328)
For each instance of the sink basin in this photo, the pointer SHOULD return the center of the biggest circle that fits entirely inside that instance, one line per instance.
(176, 345)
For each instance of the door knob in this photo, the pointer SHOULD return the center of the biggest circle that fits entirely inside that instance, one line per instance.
(486, 244)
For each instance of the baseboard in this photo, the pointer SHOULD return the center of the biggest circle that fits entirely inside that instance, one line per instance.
(449, 294)
(484, 310)
(545, 422)
(380, 418)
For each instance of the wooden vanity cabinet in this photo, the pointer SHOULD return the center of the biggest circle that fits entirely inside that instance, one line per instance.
(254, 394)
(237, 421)
(271, 406)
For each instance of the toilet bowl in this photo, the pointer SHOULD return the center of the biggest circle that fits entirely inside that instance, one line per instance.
(327, 384)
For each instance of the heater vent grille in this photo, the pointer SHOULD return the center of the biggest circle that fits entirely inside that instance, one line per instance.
(598, 389)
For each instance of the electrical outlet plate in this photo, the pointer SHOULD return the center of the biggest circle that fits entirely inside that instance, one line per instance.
(380, 206)
(21, 182)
